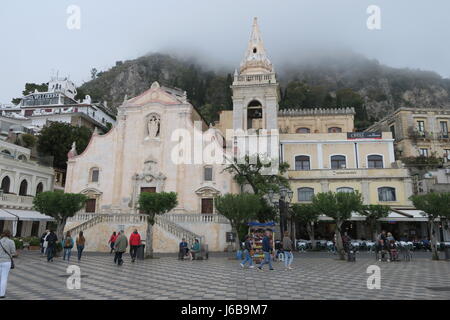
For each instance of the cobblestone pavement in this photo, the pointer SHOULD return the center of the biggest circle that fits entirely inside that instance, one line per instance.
(315, 276)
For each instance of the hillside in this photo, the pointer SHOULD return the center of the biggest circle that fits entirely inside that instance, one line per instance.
(342, 80)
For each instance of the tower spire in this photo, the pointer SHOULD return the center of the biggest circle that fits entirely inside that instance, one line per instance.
(256, 60)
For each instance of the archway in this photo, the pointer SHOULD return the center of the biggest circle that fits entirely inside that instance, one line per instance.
(254, 111)
(6, 184)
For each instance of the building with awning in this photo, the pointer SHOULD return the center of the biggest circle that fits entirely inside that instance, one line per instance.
(411, 223)
(27, 222)
(21, 179)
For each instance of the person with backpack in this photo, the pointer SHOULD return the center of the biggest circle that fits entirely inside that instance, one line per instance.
(120, 246)
(112, 241)
(247, 254)
(135, 242)
(67, 244)
(7, 251)
(81, 242)
(51, 239)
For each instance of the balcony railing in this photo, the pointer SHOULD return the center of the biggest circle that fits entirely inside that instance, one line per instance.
(13, 199)
(347, 173)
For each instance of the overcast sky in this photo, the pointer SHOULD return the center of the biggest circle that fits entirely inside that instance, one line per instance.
(35, 41)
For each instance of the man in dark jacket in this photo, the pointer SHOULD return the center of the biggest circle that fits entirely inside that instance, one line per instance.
(267, 250)
(247, 255)
(51, 239)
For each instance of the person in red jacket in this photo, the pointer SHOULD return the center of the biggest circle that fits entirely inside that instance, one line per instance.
(112, 241)
(135, 241)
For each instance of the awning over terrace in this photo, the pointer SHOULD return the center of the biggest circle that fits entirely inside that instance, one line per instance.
(23, 215)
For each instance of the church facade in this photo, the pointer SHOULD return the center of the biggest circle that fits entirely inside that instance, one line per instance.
(142, 154)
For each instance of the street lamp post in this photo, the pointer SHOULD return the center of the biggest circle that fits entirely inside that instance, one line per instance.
(281, 201)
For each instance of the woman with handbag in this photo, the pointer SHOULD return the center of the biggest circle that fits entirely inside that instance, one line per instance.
(7, 251)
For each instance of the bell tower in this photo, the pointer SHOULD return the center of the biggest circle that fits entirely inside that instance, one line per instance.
(255, 88)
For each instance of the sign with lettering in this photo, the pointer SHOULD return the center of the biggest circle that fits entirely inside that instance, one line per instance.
(363, 135)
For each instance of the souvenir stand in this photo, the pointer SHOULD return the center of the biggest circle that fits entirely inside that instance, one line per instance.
(256, 232)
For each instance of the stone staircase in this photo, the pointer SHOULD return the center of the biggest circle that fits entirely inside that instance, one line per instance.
(166, 223)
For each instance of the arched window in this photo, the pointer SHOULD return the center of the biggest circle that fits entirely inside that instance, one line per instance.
(375, 161)
(302, 163)
(23, 190)
(39, 188)
(303, 130)
(338, 162)
(345, 190)
(95, 173)
(22, 157)
(305, 194)
(6, 152)
(6, 183)
(386, 194)
(334, 130)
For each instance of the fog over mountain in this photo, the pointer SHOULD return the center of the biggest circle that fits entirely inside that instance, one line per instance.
(413, 35)
(340, 80)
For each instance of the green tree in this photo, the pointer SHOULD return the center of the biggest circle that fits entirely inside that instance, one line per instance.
(56, 140)
(306, 214)
(31, 88)
(373, 213)
(248, 172)
(153, 204)
(239, 209)
(28, 140)
(339, 207)
(436, 206)
(59, 206)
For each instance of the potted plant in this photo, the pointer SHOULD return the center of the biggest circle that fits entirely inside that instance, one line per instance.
(34, 244)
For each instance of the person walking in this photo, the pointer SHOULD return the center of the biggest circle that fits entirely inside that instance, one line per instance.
(120, 247)
(44, 243)
(247, 256)
(51, 239)
(7, 251)
(112, 241)
(81, 242)
(287, 248)
(135, 242)
(67, 243)
(267, 250)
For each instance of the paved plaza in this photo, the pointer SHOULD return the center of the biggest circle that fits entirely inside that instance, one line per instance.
(315, 276)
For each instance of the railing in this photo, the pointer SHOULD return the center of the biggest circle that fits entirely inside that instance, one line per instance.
(177, 230)
(197, 218)
(256, 78)
(12, 198)
(92, 219)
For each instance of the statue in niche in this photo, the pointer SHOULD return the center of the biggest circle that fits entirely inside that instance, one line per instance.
(153, 126)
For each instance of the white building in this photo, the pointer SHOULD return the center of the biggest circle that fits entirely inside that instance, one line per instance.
(20, 180)
(58, 104)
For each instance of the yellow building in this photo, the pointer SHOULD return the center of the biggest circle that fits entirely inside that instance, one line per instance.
(418, 132)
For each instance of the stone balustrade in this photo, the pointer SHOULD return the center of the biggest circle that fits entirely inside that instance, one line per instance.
(167, 222)
(13, 199)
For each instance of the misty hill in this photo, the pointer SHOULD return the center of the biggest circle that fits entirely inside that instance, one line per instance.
(342, 80)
